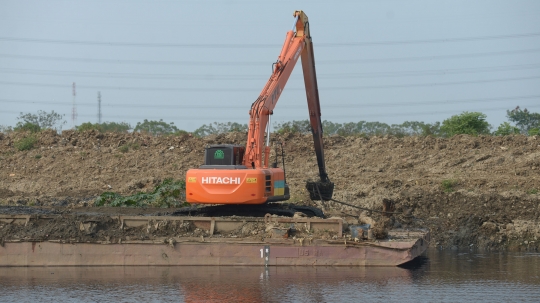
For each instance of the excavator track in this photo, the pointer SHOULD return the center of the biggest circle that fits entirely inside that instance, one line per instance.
(279, 209)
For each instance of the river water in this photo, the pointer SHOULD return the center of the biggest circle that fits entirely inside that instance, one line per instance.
(438, 276)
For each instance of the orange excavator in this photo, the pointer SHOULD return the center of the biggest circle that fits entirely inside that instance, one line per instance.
(235, 174)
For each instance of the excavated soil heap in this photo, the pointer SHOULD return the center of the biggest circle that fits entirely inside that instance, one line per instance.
(470, 191)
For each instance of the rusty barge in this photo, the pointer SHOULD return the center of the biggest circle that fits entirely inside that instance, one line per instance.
(128, 240)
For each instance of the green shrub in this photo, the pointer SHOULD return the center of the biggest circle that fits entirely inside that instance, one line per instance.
(169, 193)
(28, 127)
(448, 185)
(105, 127)
(124, 148)
(26, 143)
(181, 132)
(88, 126)
(468, 123)
(533, 191)
(156, 128)
(506, 129)
(37, 156)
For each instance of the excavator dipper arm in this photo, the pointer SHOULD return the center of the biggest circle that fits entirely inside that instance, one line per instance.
(312, 95)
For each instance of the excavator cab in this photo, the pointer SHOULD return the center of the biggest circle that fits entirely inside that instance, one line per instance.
(224, 156)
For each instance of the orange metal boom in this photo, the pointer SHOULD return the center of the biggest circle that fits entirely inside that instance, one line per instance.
(296, 45)
(254, 182)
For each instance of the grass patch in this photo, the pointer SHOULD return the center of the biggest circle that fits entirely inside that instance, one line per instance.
(533, 191)
(169, 193)
(26, 143)
(448, 185)
(126, 147)
(37, 156)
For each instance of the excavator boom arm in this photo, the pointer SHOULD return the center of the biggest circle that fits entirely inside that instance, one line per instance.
(297, 44)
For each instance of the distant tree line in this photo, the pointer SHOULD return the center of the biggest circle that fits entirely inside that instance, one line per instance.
(408, 128)
(105, 127)
(520, 121)
(34, 123)
(470, 123)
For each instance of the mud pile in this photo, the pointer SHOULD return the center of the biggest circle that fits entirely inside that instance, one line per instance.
(470, 191)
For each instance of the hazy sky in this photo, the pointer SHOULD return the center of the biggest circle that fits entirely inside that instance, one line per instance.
(196, 62)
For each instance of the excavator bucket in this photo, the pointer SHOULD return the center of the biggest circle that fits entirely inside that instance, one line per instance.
(319, 190)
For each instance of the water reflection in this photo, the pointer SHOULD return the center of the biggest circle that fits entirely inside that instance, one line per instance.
(439, 276)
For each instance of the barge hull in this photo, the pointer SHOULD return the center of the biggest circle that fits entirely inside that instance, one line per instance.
(204, 253)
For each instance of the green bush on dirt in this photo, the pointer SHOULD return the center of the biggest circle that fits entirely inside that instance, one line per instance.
(467, 123)
(105, 127)
(169, 193)
(156, 128)
(88, 126)
(506, 129)
(126, 147)
(28, 127)
(26, 143)
(448, 185)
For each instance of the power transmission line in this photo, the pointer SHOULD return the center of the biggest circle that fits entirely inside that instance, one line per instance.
(258, 77)
(251, 63)
(266, 45)
(229, 90)
(285, 106)
(429, 58)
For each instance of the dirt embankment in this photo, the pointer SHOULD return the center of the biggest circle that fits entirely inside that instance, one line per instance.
(479, 191)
